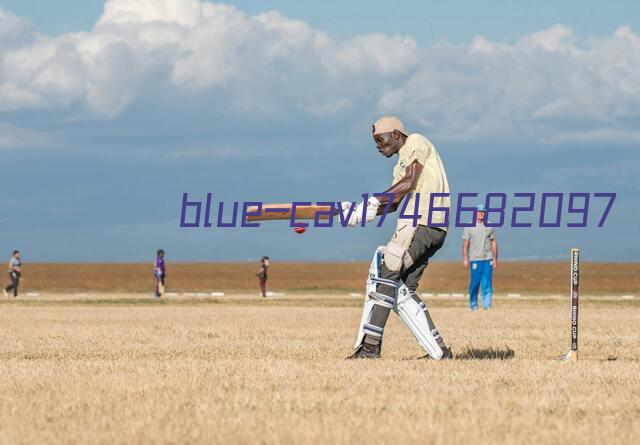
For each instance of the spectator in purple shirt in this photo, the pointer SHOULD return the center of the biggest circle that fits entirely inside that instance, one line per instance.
(160, 272)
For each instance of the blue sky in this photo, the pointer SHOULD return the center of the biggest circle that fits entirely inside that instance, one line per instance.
(107, 117)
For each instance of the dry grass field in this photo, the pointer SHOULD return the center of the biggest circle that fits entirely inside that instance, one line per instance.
(523, 277)
(124, 368)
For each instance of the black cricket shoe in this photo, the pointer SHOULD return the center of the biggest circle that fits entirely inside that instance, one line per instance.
(366, 350)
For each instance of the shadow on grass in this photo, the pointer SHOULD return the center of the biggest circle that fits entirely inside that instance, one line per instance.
(502, 353)
(505, 353)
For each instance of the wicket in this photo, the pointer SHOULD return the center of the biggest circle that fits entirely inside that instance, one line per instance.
(572, 355)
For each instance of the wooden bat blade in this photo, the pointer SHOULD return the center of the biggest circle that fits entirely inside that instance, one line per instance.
(284, 212)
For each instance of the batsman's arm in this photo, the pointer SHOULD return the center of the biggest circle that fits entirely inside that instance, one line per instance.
(400, 189)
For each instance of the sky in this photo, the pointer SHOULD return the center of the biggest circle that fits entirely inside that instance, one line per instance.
(109, 112)
(426, 21)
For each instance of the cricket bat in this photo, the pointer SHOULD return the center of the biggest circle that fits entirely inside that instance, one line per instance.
(285, 211)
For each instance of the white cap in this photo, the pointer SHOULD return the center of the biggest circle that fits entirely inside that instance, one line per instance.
(387, 124)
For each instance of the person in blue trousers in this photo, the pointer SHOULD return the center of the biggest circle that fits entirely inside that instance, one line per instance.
(480, 255)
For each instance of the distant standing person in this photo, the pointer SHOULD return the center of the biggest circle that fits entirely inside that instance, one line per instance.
(262, 275)
(480, 250)
(15, 270)
(160, 272)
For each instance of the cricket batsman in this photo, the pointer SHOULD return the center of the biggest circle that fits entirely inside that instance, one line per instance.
(397, 267)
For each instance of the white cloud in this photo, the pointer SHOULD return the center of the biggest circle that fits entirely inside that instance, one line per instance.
(14, 30)
(544, 85)
(549, 86)
(13, 137)
(186, 13)
(259, 64)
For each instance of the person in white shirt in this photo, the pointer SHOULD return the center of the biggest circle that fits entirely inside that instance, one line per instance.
(480, 254)
(15, 270)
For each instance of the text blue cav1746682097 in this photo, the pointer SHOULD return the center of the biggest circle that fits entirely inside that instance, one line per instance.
(518, 210)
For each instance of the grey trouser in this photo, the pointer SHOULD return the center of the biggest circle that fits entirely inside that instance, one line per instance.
(425, 243)
(15, 281)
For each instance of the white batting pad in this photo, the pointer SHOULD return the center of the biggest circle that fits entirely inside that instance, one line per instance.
(371, 297)
(410, 311)
(414, 318)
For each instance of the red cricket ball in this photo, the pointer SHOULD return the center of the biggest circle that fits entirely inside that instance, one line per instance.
(299, 230)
